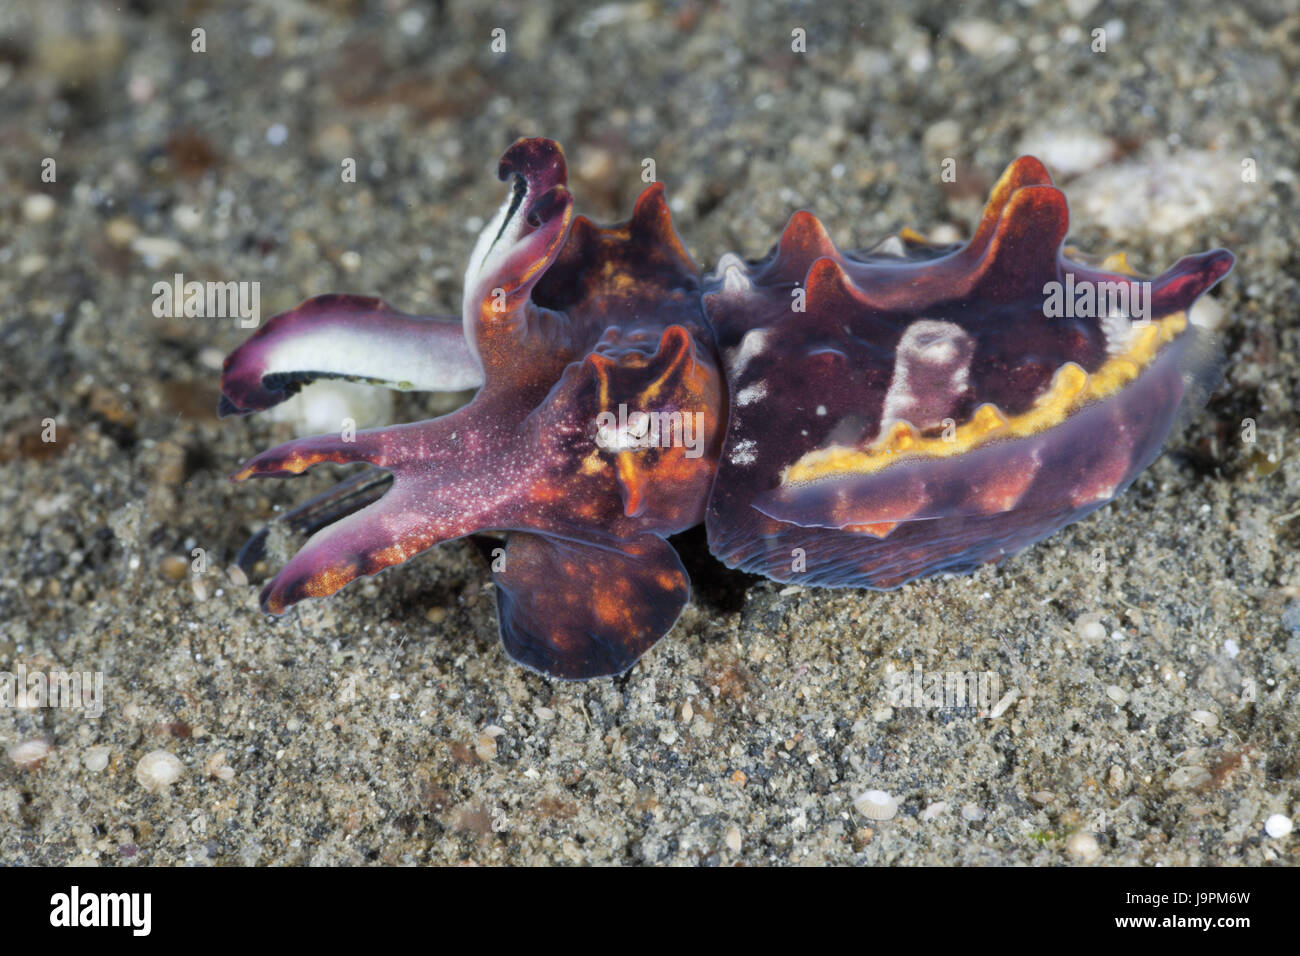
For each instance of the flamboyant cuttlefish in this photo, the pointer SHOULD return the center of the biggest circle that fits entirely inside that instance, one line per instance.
(835, 419)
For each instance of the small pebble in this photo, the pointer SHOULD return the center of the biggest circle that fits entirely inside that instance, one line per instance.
(1188, 778)
(38, 207)
(30, 265)
(944, 233)
(157, 251)
(95, 758)
(972, 813)
(216, 766)
(943, 137)
(174, 567)
(1091, 629)
(187, 218)
(1277, 826)
(733, 840)
(983, 37)
(1083, 847)
(411, 22)
(158, 770)
(121, 232)
(934, 810)
(1205, 718)
(596, 165)
(30, 754)
(140, 88)
(486, 748)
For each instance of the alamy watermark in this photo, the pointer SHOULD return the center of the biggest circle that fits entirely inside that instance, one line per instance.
(1090, 300)
(651, 430)
(70, 690)
(208, 300)
(944, 689)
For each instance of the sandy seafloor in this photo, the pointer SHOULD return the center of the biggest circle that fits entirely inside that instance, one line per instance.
(1155, 718)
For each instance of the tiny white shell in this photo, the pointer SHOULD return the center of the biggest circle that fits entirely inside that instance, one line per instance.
(158, 770)
(1205, 718)
(876, 805)
(95, 758)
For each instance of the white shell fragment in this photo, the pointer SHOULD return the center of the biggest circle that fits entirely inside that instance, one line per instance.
(216, 766)
(30, 754)
(876, 805)
(158, 770)
(935, 810)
